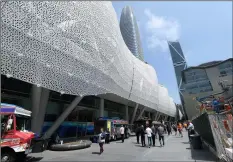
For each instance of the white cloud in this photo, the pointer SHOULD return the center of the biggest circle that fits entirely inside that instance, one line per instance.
(161, 29)
(188, 54)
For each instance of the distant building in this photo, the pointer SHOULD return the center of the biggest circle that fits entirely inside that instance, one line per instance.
(130, 32)
(179, 64)
(203, 80)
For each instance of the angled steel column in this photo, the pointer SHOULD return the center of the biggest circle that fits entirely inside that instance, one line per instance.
(36, 95)
(165, 119)
(134, 113)
(126, 113)
(157, 116)
(149, 115)
(142, 111)
(101, 110)
(43, 105)
(62, 117)
(153, 116)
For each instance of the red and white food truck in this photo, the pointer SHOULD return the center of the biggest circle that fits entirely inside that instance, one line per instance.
(16, 141)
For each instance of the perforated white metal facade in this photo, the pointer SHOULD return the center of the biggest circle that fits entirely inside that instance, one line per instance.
(74, 48)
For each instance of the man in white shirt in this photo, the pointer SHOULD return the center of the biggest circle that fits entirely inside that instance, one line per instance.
(122, 131)
(149, 135)
(190, 129)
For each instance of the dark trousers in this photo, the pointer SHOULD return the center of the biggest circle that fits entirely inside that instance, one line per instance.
(169, 132)
(101, 147)
(153, 139)
(143, 140)
(122, 138)
(107, 138)
(137, 138)
(161, 139)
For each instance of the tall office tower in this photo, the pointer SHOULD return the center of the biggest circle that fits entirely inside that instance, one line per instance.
(130, 32)
(179, 64)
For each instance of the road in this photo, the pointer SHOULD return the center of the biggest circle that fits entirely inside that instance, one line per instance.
(175, 149)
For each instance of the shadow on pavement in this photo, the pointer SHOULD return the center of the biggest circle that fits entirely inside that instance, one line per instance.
(186, 142)
(96, 153)
(203, 154)
(33, 159)
(145, 146)
(119, 142)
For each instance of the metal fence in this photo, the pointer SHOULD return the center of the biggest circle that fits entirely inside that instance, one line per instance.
(213, 131)
(221, 135)
(203, 128)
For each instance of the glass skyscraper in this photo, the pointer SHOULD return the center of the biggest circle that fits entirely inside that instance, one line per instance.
(179, 64)
(130, 32)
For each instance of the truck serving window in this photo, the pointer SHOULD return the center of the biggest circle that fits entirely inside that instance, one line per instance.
(23, 122)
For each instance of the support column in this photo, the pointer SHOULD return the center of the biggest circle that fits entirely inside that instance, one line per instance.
(153, 116)
(126, 113)
(142, 111)
(36, 95)
(134, 114)
(157, 116)
(62, 117)
(101, 114)
(149, 115)
(43, 105)
(165, 119)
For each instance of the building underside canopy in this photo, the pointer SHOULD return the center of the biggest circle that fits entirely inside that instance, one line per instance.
(75, 48)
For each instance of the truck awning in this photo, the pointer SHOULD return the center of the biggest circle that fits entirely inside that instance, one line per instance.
(13, 109)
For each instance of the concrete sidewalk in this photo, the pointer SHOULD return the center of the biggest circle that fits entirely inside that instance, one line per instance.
(175, 149)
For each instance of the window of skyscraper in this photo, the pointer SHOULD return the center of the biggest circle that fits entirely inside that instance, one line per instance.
(225, 69)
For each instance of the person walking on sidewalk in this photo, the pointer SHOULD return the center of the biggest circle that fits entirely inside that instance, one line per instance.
(180, 128)
(101, 140)
(174, 127)
(142, 133)
(153, 134)
(161, 133)
(138, 133)
(122, 131)
(107, 139)
(169, 128)
(149, 135)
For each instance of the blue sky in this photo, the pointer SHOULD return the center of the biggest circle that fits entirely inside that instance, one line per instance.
(204, 30)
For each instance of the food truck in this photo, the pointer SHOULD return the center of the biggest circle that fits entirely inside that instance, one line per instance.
(112, 125)
(16, 141)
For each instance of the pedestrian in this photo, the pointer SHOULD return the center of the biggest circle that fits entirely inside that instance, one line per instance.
(153, 134)
(138, 133)
(122, 131)
(142, 133)
(101, 140)
(169, 128)
(126, 131)
(149, 135)
(161, 133)
(107, 140)
(185, 126)
(190, 129)
(179, 127)
(174, 128)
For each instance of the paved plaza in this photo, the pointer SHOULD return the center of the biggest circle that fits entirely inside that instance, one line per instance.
(175, 149)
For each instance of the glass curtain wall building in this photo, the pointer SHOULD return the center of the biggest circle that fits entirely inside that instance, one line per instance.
(130, 32)
(179, 64)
